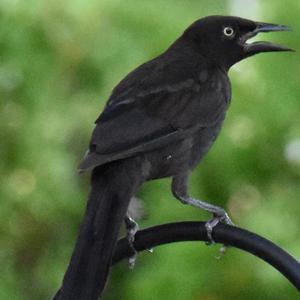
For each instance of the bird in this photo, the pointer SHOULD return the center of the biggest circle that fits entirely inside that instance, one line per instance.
(158, 122)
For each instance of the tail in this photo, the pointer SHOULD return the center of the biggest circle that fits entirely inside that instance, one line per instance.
(112, 187)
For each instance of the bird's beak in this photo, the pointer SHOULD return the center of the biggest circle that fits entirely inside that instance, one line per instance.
(257, 47)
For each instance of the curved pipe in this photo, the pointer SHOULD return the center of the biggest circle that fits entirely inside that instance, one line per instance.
(224, 234)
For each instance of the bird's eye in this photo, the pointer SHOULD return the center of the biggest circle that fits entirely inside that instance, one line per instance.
(228, 31)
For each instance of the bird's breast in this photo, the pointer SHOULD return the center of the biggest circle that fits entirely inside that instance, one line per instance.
(203, 140)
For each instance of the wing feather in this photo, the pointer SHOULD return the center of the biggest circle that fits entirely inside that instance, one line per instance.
(151, 118)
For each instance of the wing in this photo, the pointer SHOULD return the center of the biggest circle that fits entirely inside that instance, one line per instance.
(141, 118)
(130, 133)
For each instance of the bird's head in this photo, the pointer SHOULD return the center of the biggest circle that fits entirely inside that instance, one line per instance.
(225, 39)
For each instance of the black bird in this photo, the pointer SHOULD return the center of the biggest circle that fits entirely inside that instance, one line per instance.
(159, 121)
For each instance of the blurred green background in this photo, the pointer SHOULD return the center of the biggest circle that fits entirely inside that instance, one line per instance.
(59, 61)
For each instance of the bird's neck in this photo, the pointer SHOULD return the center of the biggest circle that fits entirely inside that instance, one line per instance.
(198, 49)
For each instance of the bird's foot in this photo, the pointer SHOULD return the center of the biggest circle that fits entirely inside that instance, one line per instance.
(209, 225)
(132, 260)
(222, 217)
(132, 228)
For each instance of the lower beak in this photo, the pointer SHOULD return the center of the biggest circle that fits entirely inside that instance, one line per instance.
(258, 47)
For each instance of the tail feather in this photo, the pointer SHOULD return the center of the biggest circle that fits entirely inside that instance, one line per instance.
(112, 187)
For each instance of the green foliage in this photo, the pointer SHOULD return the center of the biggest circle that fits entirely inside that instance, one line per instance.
(59, 62)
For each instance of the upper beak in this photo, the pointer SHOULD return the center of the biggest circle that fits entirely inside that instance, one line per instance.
(267, 27)
(258, 47)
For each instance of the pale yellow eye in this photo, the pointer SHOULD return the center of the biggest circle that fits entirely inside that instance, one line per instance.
(228, 31)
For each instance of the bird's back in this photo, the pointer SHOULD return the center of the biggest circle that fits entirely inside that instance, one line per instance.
(164, 101)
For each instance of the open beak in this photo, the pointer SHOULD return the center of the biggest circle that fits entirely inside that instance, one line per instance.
(257, 47)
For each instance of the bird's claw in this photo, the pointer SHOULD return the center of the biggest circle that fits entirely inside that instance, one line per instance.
(221, 217)
(132, 229)
(132, 260)
(209, 229)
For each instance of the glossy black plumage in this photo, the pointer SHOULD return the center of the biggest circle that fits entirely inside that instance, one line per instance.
(160, 121)
(175, 104)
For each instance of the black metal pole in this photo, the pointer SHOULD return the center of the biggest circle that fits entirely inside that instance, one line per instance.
(224, 234)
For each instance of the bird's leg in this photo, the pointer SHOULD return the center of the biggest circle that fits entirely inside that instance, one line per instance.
(180, 191)
(132, 228)
(220, 215)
